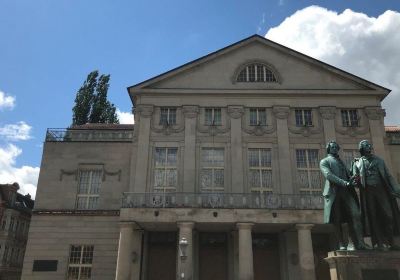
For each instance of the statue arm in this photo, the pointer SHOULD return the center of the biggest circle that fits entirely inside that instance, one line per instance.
(332, 178)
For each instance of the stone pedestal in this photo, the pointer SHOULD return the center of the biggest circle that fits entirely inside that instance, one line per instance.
(364, 265)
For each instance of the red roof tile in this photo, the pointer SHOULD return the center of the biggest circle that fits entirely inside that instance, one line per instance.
(392, 128)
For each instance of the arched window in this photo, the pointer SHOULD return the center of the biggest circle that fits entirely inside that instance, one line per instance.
(256, 73)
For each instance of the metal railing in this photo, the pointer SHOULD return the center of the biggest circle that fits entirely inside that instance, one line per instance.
(88, 135)
(221, 200)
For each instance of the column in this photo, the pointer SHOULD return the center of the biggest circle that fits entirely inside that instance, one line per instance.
(328, 121)
(189, 158)
(246, 271)
(376, 127)
(140, 178)
(285, 172)
(235, 113)
(129, 252)
(306, 254)
(185, 265)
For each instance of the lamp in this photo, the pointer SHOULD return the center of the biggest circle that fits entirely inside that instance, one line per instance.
(183, 243)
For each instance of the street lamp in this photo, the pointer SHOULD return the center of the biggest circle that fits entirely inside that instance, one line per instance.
(183, 243)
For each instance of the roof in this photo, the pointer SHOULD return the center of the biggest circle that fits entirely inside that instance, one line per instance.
(104, 126)
(245, 41)
(392, 128)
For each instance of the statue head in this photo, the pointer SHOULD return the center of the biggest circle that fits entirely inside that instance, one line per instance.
(365, 148)
(332, 147)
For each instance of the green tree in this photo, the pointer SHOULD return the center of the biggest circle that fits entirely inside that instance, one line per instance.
(84, 99)
(91, 104)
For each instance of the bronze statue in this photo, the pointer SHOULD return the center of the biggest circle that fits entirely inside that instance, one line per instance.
(341, 203)
(378, 190)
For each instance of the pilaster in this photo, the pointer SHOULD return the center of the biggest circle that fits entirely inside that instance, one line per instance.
(189, 158)
(306, 254)
(328, 120)
(375, 119)
(246, 268)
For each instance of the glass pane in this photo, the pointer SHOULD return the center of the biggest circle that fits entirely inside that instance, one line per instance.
(87, 255)
(172, 116)
(81, 202)
(302, 178)
(315, 177)
(219, 178)
(265, 157)
(83, 181)
(301, 158)
(171, 160)
(164, 116)
(218, 157)
(269, 76)
(299, 117)
(206, 159)
(75, 254)
(254, 179)
(313, 158)
(73, 273)
(205, 178)
(260, 73)
(262, 117)
(307, 117)
(86, 272)
(217, 116)
(208, 116)
(253, 116)
(159, 177)
(172, 175)
(353, 117)
(93, 201)
(160, 156)
(96, 181)
(252, 73)
(345, 119)
(266, 179)
(253, 157)
(242, 76)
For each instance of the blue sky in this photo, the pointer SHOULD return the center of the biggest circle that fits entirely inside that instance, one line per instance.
(47, 48)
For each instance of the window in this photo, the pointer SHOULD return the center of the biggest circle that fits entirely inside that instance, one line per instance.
(88, 189)
(260, 170)
(11, 228)
(350, 118)
(303, 117)
(212, 169)
(258, 116)
(80, 262)
(165, 169)
(348, 156)
(308, 173)
(213, 116)
(256, 73)
(168, 116)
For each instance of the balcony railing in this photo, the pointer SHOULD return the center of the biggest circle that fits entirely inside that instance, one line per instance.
(88, 135)
(221, 200)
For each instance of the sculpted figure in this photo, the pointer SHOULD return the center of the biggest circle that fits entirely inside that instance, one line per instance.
(341, 203)
(378, 189)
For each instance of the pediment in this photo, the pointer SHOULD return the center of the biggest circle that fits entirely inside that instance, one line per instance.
(219, 70)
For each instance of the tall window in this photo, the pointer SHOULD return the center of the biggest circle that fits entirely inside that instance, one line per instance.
(165, 169)
(303, 117)
(88, 189)
(213, 116)
(256, 73)
(350, 118)
(258, 116)
(168, 116)
(308, 173)
(212, 169)
(80, 262)
(349, 155)
(260, 170)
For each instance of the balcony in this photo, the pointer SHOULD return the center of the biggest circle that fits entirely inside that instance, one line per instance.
(222, 200)
(89, 135)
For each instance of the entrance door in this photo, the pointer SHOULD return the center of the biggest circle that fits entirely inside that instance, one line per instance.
(161, 256)
(266, 257)
(213, 256)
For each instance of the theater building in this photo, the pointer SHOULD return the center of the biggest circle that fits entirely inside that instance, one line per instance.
(217, 179)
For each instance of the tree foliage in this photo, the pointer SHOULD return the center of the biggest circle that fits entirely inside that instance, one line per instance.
(91, 104)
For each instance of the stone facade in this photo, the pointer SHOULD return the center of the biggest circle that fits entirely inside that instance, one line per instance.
(217, 179)
(15, 216)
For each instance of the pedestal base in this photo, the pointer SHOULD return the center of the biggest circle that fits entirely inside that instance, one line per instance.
(364, 265)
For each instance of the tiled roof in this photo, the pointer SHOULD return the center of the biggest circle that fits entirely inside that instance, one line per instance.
(104, 126)
(392, 128)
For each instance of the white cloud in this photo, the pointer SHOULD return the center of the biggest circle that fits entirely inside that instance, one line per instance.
(365, 46)
(6, 101)
(125, 117)
(25, 176)
(16, 132)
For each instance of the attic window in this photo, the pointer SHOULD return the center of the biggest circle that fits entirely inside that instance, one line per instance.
(256, 73)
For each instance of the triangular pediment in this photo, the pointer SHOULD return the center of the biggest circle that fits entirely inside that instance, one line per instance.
(219, 70)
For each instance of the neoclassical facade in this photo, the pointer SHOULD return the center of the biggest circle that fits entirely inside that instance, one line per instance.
(217, 179)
